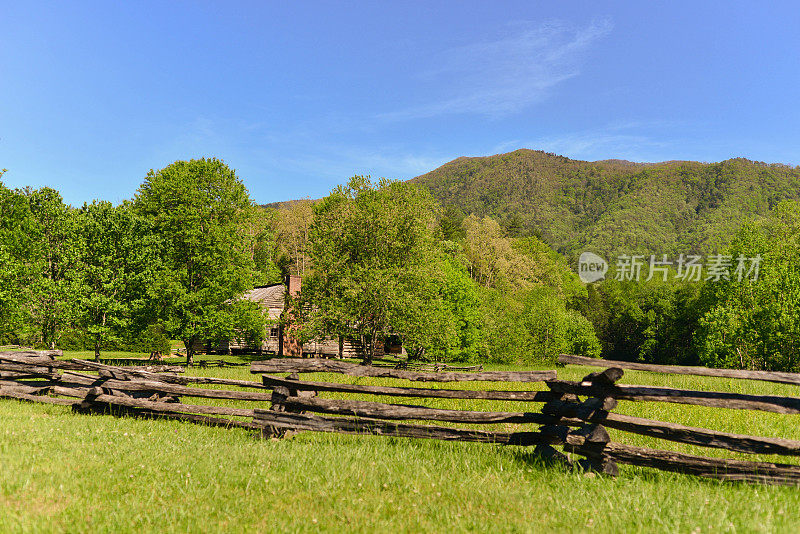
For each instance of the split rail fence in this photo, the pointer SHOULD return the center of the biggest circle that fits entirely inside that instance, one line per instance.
(573, 415)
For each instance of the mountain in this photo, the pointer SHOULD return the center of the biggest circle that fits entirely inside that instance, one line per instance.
(614, 206)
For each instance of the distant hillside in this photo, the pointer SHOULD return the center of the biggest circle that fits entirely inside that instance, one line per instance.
(283, 204)
(614, 206)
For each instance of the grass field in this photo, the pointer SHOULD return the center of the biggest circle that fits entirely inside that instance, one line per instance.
(61, 472)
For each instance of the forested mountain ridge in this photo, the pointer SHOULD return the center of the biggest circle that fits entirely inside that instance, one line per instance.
(614, 206)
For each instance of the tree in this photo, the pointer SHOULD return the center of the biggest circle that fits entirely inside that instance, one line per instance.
(49, 295)
(153, 340)
(498, 261)
(493, 260)
(534, 326)
(370, 247)
(651, 322)
(450, 223)
(440, 321)
(108, 250)
(526, 291)
(199, 211)
(461, 307)
(263, 245)
(15, 259)
(293, 225)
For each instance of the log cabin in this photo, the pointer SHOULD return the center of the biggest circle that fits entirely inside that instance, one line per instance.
(279, 338)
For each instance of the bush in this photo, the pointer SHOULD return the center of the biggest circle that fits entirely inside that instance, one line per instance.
(75, 339)
(580, 336)
(152, 339)
(536, 329)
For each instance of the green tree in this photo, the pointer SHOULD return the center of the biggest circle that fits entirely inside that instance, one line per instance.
(651, 322)
(534, 326)
(53, 250)
(580, 336)
(371, 247)
(152, 339)
(461, 305)
(293, 225)
(451, 224)
(264, 245)
(108, 251)
(440, 321)
(199, 211)
(527, 289)
(492, 258)
(15, 260)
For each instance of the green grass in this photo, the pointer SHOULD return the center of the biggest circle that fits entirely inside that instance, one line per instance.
(61, 472)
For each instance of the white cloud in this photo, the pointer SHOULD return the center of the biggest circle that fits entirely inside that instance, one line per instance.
(505, 75)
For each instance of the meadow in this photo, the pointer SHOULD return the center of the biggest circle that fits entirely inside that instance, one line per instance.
(64, 472)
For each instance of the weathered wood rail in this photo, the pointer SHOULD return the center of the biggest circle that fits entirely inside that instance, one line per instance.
(574, 415)
(769, 376)
(715, 399)
(289, 365)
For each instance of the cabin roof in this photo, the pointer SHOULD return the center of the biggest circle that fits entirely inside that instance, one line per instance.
(268, 296)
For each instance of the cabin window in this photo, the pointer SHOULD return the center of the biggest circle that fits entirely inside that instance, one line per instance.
(273, 332)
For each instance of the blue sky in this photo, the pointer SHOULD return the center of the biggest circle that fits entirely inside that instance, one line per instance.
(299, 96)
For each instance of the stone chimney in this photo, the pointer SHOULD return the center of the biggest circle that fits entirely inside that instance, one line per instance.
(294, 284)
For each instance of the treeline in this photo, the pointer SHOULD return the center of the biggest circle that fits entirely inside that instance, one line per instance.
(169, 264)
(378, 260)
(747, 323)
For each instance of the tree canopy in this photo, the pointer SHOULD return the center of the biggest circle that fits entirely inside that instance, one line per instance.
(199, 211)
(754, 324)
(371, 246)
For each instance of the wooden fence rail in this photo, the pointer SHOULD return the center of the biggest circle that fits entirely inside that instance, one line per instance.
(390, 391)
(715, 399)
(572, 415)
(768, 376)
(718, 468)
(290, 365)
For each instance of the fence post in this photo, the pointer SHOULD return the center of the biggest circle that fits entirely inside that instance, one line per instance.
(591, 437)
(279, 396)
